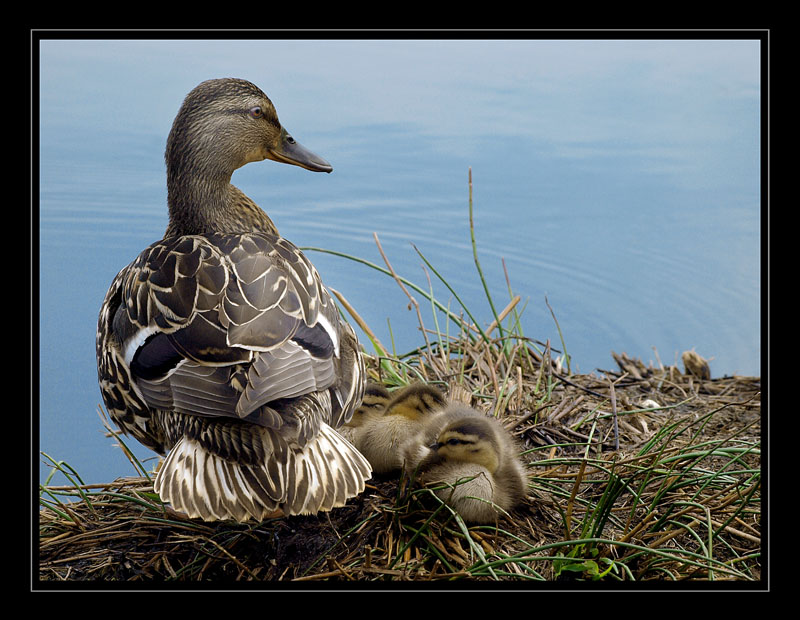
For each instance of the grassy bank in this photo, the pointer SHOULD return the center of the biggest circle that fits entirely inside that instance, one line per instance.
(679, 499)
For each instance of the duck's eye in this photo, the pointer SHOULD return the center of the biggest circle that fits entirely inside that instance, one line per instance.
(454, 442)
(256, 111)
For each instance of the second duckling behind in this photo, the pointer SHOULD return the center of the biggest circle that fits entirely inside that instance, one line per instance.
(380, 434)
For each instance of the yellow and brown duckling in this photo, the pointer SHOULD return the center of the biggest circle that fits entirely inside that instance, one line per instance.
(473, 460)
(376, 397)
(381, 433)
(219, 345)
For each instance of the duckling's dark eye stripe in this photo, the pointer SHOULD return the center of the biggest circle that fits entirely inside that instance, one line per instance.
(451, 442)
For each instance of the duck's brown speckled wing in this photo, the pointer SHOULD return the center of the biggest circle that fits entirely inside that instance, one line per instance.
(227, 349)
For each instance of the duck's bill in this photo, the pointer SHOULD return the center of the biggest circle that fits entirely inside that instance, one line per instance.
(292, 152)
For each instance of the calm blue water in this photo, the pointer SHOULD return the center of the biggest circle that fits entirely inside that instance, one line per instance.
(620, 179)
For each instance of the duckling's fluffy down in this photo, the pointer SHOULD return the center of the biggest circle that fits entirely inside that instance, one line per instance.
(384, 422)
(479, 491)
(469, 489)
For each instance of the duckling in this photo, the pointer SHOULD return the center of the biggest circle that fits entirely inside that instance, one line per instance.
(376, 397)
(219, 345)
(380, 437)
(474, 456)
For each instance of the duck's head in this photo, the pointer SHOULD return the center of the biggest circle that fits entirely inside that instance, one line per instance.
(226, 123)
(415, 401)
(468, 440)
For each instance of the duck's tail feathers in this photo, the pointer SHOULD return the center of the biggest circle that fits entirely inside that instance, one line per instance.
(323, 475)
(327, 473)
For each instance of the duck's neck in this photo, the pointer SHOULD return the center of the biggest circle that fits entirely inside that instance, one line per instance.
(202, 200)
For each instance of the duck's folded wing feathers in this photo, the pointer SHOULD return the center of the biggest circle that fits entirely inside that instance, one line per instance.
(207, 322)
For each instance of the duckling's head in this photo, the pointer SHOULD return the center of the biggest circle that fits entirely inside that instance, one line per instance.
(226, 123)
(468, 440)
(416, 401)
(375, 398)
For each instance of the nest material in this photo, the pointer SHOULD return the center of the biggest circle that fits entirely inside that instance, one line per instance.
(636, 474)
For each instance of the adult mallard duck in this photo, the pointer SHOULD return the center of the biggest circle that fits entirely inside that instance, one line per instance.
(471, 459)
(380, 435)
(219, 346)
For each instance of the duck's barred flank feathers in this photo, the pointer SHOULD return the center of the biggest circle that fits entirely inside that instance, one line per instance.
(219, 344)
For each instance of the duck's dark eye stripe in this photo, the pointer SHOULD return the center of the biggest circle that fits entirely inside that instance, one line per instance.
(272, 120)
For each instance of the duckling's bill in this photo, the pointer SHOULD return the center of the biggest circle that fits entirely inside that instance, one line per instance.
(289, 151)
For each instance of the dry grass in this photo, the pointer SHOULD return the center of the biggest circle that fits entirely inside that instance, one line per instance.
(678, 500)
